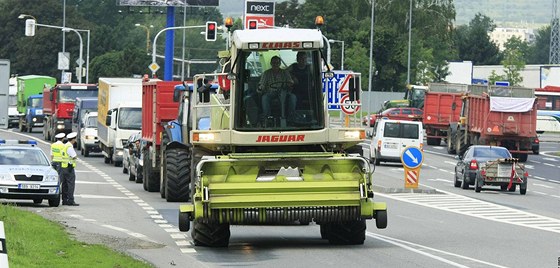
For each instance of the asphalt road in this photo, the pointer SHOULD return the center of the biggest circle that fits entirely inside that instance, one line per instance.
(436, 226)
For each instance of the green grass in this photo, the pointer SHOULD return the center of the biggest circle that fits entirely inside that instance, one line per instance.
(33, 241)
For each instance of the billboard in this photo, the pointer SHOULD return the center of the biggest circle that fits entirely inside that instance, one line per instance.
(550, 76)
(261, 11)
(155, 3)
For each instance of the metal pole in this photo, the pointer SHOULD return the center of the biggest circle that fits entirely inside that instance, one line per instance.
(169, 46)
(166, 29)
(342, 61)
(183, 48)
(370, 82)
(87, 59)
(81, 60)
(409, 42)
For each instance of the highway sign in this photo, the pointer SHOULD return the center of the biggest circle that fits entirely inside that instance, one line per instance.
(153, 67)
(412, 157)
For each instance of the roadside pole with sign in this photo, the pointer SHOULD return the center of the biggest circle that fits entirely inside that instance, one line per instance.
(412, 158)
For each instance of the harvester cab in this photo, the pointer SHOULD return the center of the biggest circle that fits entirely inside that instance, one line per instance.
(262, 149)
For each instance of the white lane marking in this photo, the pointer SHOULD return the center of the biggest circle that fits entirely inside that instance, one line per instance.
(537, 192)
(91, 196)
(550, 159)
(550, 165)
(451, 163)
(451, 202)
(422, 250)
(438, 179)
(111, 181)
(542, 185)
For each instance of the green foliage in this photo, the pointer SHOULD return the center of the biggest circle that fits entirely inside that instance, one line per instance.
(474, 42)
(35, 242)
(514, 62)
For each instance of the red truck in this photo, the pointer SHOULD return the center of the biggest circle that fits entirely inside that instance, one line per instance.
(442, 105)
(58, 106)
(497, 115)
(158, 108)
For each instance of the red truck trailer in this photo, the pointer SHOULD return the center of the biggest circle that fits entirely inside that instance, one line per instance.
(58, 106)
(158, 108)
(442, 105)
(497, 115)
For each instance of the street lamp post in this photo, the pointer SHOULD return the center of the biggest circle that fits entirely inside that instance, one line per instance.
(342, 57)
(409, 43)
(147, 34)
(64, 30)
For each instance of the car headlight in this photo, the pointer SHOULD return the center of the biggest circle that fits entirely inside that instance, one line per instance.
(51, 177)
(6, 177)
(59, 126)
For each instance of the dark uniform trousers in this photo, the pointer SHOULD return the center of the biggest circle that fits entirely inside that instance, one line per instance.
(68, 184)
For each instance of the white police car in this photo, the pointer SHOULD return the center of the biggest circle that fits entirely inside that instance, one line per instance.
(26, 173)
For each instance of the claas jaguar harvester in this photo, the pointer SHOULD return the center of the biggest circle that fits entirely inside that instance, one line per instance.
(247, 168)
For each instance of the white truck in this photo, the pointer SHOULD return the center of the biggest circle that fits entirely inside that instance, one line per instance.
(119, 115)
(13, 114)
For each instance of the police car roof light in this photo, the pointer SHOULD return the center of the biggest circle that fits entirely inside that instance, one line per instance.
(14, 142)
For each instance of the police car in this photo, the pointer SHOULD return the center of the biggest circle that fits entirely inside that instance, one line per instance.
(26, 173)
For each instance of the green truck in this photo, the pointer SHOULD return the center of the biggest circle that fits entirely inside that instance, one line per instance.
(30, 100)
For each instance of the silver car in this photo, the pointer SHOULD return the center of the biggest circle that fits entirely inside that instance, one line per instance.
(26, 173)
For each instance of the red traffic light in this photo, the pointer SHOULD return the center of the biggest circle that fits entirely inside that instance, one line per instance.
(211, 31)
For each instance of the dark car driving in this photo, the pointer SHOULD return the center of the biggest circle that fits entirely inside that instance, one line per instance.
(469, 164)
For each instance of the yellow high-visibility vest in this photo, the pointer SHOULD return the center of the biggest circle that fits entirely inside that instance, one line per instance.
(57, 149)
(66, 159)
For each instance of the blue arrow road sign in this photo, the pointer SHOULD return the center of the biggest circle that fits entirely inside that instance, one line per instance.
(412, 157)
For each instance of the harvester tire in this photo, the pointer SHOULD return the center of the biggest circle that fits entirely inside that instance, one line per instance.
(210, 234)
(177, 187)
(523, 157)
(381, 219)
(184, 222)
(347, 233)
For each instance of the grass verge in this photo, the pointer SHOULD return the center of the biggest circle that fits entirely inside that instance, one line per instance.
(33, 241)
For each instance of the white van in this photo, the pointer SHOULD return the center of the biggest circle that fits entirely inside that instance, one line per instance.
(391, 137)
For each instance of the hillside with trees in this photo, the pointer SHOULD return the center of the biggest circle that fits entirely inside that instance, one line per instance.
(118, 48)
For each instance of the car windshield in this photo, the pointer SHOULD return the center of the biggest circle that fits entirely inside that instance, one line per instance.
(92, 122)
(130, 118)
(71, 95)
(36, 102)
(491, 153)
(22, 156)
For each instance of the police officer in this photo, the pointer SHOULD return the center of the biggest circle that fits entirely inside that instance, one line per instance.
(56, 151)
(68, 174)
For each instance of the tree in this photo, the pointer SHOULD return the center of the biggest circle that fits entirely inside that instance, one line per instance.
(514, 62)
(539, 51)
(474, 42)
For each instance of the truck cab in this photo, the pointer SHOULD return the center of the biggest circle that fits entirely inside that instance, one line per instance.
(34, 115)
(13, 114)
(121, 122)
(82, 106)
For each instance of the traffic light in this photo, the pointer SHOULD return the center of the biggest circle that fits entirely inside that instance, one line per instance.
(211, 31)
(252, 24)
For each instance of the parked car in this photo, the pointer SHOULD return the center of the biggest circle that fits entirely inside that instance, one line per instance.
(88, 134)
(490, 165)
(26, 173)
(131, 158)
(400, 113)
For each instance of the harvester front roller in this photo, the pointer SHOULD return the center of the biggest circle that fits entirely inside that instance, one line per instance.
(333, 190)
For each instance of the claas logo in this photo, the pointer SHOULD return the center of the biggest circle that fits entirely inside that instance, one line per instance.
(211, 31)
